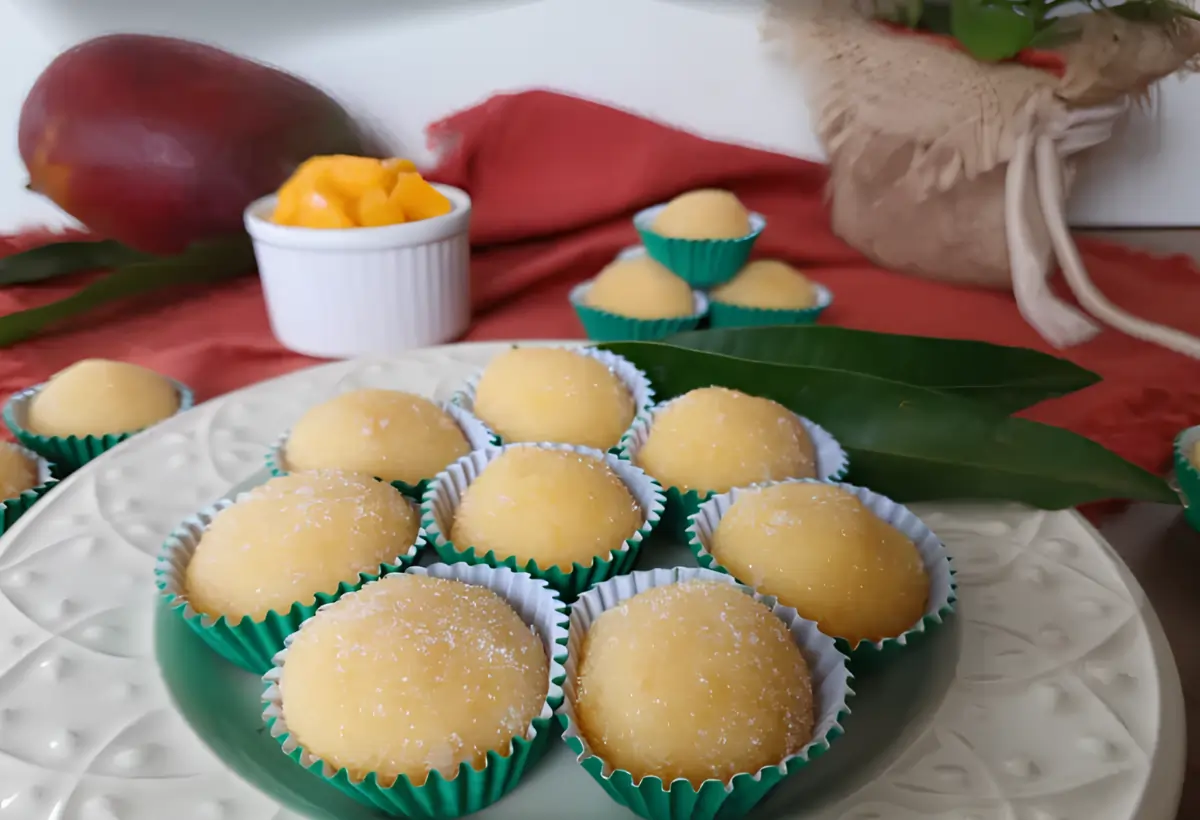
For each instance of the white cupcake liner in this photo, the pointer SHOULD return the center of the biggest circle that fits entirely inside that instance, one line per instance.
(832, 463)
(45, 470)
(934, 557)
(634, 380)
(12, 508)
(538, 605)
(177, 551)
(830, 675)
(444, 495)
(475, 431)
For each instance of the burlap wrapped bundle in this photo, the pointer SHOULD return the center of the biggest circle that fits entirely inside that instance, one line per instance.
(950, 168)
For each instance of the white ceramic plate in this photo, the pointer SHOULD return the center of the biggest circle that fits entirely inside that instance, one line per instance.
(1051, 696)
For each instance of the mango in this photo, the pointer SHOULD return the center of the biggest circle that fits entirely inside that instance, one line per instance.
(159, 142)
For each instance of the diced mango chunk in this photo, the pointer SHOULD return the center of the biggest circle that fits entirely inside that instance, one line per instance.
(418, 198)
(375, 209)
(339, 191)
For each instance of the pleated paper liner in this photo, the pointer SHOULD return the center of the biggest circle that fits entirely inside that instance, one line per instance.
(702, 263)
(12, 509)
(249, 643)
(1187, 475)
(680, 800)
(475, 431)
(723, 314)
(832, 464)
(865, 655)
(602, 326)
(634, 379)
(468, 790)
(446, 493)
(69, 453)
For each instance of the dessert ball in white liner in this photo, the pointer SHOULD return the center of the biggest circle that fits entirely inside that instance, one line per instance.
(556, 395)
(556, 507)
(388, 434)
(18, 471)
(820, 550)
(293, 537)
(413, 674)
(96, 397)
(693, 680)
(713, 439)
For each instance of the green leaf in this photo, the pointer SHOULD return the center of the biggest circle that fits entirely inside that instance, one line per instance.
(912, 443)
(62, 258)
(913, 9)
(203, 262)
(1008, 378)
(992, 30)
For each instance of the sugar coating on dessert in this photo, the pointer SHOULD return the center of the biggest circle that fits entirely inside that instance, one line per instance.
(640, 288)
(389, 434)
(715, 439)
(293, 537)
(96, 397)
(694, 680)
(18, 472)
(551, 394)
(412, 675)
(550, 506)
(703, 214)
(819, 549)
(768, 284)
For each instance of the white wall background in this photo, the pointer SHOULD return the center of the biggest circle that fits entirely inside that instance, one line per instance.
(694, 63)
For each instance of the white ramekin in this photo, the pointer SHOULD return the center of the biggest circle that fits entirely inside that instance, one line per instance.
(339, 294)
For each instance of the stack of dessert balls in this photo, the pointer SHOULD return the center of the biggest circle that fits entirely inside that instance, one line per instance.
(425, 586)
(79, 413)
(693, 269)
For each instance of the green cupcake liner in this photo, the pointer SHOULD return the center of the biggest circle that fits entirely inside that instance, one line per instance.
(445, 494)
(475, 431)
(12, 509)
(650, 797)
(469, 789)
(832, 465)
(702, 263)
(866, 655)
(633, 378)
(69, 453)
(248, 643)
(722, 314)
(1187, 476)
(602, 326)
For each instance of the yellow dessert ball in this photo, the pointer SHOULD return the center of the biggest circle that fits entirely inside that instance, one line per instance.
(385, 433)
(703, 214)
(770, 285)
(293, 537)
(1196, 455)
(550, 506)
(695, 680)
(551, 394)
(640, 288)
(412, 675)
(817, 548)
(715, 439)
(95, 397)
(18, 472)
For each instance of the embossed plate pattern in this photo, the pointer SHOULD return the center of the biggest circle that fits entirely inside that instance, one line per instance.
(1065, 704)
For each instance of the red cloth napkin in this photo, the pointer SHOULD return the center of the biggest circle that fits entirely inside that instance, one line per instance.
(555, 181)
